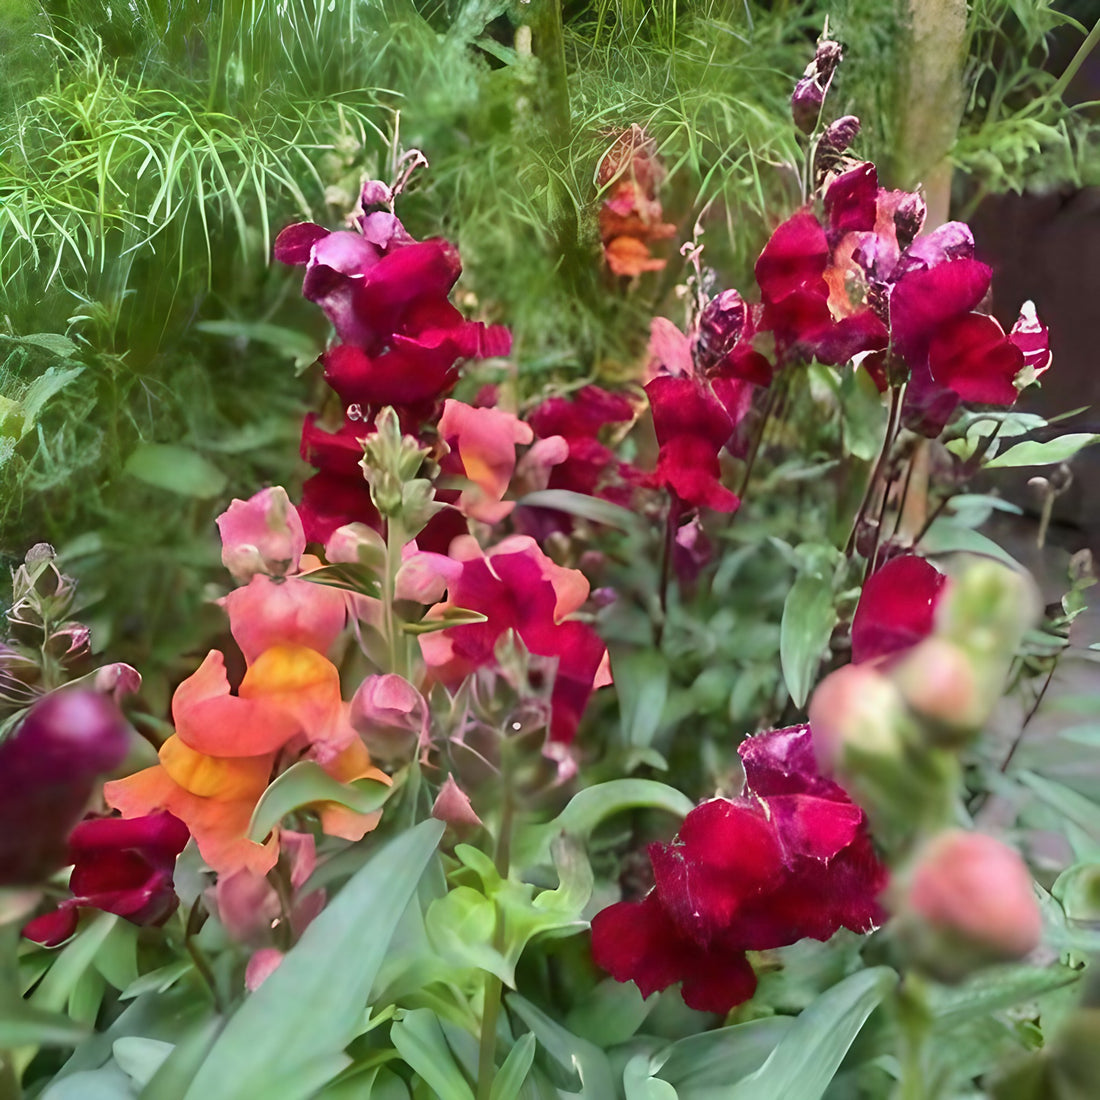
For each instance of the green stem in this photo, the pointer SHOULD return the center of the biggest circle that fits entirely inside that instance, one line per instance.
(1078, 59)
(892, 426)
(395, 642)
(913, 1022)
(494, 987)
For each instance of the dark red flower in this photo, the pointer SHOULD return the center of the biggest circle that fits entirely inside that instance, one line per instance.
(692, 426)
(851, 200)
(790, 858)
(48, 769)
(120, 866)
(897, 607)
(810, 319)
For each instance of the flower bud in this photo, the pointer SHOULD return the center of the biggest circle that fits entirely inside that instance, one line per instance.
(941, 684)
(390, 715)
(968, 902)
(809, 93)
(855, 709)
(452, 805)
(909, 218)
(840, 134)
(987, 608)
(48, 769)
(261, 535)
(720, 326)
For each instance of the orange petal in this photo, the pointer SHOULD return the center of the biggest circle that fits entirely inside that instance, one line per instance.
(301, 682)
(336, 820)
(219, 826)
(215, 723)
(224, 777)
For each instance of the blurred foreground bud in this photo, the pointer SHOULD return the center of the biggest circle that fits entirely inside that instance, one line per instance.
(390, 715)
(855, 709)
(48, 769)
(987, 608)
(968, 902)
(940, 682)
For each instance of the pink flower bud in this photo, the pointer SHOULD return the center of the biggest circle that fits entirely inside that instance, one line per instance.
(261, 966)
(261, 535)
(390, 715)
(939, 681)
(855, 708)
(452, 805)
(968, 902)
(116, 680)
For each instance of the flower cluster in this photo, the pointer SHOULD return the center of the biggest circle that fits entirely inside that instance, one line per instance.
(401, 343)
(789, 858)
(229, 746)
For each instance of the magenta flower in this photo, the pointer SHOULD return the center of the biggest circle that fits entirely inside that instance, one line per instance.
(897, 607)
(517, 587)
(122, 866)
(790, 858)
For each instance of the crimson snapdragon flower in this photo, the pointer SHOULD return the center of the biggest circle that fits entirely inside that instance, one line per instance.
(897, 607)
(789, 858)
(121, 866)
(402, 343)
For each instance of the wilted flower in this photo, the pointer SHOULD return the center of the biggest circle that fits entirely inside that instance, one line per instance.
(120, 866)
(787, 859)
(630, 216)
(48, 769)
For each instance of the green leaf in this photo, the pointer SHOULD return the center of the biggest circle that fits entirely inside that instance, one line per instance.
(452, 616)
(420, 1041)
(177, 469)
(1075, 807)
(42, 390)
(948, 537)
(1032, 453)
(140, 1058)
(288, 1038)
(582, 505)
(106, 1083)
(611, 1013)
(994, 991)
(640, 1084)
(575, 1057)
(23, 1025)
(641, 681)
(72, 961)
(808, 620)
(864, 415)
(192, 1043)
(53, 342)
(715, 1059)
(588, 808)
(1086, 733)
(514, 1069)
(348, 576)
(306, 784)
(283, 341)
(807, 1057)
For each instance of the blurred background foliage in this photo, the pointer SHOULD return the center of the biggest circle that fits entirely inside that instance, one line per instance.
(153, 364)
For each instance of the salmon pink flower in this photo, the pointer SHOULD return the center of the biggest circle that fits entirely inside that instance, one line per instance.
(261, 535)
(517, 587)
(483, 450)
(120, 866)
(789, 858)
(227, 747)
